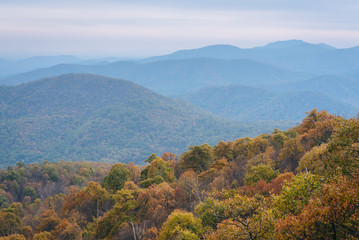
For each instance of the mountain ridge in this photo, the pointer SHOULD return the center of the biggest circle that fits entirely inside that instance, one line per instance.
(174, 77)
(245, 103)
(95, 118)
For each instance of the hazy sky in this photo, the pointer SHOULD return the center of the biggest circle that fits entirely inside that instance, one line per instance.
(148, 27)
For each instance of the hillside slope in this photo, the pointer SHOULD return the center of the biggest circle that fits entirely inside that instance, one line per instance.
(87, 117)
(250, 104)
(344, 89)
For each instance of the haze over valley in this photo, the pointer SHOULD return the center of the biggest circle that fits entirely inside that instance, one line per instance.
(64, 107)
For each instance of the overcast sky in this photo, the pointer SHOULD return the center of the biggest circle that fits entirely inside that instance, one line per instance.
(138, 28)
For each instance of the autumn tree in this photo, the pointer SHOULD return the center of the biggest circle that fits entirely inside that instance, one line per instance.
(189, 190)
(122, 213)
(48, 221)
(10, 223)
(156, 203)
(14, 237)
(261, 167)
(250, 217)
(4, 202)
(156, 172)
(313, 160)
(118, 175)
(181, 225)
(87, 203)
(198, 158)
(290, 155)
(67, 231)
(332, 213)
(168, 156)
(343, 150)
(296, 194)
(224, 150)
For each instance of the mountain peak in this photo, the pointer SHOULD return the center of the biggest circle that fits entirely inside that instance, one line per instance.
(214, 47)
(285, 44)
(294, 43)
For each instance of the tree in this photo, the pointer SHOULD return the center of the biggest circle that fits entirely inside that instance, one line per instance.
(190, 191)
(29, 191)
(278, 138)
(159, 167)
(4, 203)
(151, 158)
(52, 172)
(89, 203)
(290, 154)
(343, 150)
(122, 213)
(332, 213)
(198, 158)
(42, 236)
(156, 172)
(250, 217)
(48, 221)
(168, 156)
(10, 223)
(67, 231)
(313, 160)
(14, 237)
(181, 225)
(261, 167)
(224, 150)
(261, 172)
(155, 203)
(296, 194)
(118, 175)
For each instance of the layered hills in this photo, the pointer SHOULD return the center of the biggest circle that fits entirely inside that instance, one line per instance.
(342, 88)
(295, 55)
(173, 77)
(250, 104)
(88, 117)
(84, 116)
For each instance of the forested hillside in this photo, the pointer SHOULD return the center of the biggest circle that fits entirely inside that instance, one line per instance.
(344, 89)
(302, 183)
(250, 104)
(80, 117)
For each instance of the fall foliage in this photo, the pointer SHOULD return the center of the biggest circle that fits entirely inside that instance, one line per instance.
(302, 183)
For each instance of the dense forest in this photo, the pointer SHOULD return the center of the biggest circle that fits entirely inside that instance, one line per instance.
(84, 117)
(302, 183)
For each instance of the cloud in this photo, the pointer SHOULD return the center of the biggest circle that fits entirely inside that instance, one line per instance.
(147, 27)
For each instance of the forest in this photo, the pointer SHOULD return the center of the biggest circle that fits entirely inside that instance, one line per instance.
(84, 117)
(302, 183)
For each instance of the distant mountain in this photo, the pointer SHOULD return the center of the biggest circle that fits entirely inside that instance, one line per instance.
(8, 68)
(263, 53)
(295, 55)
(175, 77)
(344, 89)
(88, 117)
(250, 104)
(296, 44)
(215, 51)
(354, 74)
(3, 63)
(229, 101)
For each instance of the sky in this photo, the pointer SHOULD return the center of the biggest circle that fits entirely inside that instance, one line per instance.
(141, 28)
